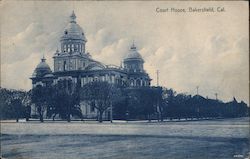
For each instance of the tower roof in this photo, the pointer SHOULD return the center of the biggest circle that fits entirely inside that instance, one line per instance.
(133, 53)
(73, 30)
(41, 69)
(43, 64)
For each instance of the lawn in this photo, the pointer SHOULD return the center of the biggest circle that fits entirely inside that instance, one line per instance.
(197, 139)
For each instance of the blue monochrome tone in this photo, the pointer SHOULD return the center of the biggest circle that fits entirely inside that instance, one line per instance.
(73, 63)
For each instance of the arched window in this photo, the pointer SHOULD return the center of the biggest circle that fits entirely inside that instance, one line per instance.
(131, 82)
(68, 48)
(138, 82)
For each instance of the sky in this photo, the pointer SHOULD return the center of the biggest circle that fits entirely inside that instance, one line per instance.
(190, 49)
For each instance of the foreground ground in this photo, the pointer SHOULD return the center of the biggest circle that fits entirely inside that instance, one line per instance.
(227, 138)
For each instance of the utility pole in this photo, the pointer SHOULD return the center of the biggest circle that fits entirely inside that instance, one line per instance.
(216, 96)
(111, 112)
(197, 90)
(157, 74)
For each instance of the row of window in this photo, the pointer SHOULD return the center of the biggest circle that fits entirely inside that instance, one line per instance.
(134, 67)
(138, 82)
(73, 65)
(110, 79)
(73, 47)
(113, 79)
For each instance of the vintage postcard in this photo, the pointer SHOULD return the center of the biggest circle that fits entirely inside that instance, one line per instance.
(124, 80)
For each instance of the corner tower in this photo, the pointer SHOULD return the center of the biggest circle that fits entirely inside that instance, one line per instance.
(133, 62)
(133, 65)
(42, 75)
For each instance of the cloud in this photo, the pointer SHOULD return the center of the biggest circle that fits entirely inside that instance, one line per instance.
(16, 75)
(33, 40)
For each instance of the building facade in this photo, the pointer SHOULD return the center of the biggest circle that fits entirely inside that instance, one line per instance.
(72, 62)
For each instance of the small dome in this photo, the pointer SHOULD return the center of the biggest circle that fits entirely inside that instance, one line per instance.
(73, 30)
(133, 53)
(41, 69)
(43, 65)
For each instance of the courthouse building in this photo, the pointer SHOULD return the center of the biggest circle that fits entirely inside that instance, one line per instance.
(72, 62)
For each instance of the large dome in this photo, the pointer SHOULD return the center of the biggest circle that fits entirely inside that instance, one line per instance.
(133, 54)
(41, 69)
(73, 30)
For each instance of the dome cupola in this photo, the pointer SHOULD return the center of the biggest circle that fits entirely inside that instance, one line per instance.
(133, 62)
(42, 69)
(133, 54)
(73, 31)
(73, 38)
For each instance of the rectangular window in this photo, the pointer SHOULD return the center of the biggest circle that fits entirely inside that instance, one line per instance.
(65, 49)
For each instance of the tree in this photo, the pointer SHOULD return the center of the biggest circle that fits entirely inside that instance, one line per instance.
(64, 100)
(134, 110)
(100, 95)
(181, 106)
(11, 105)
(120, 104)
(26, 101)
(38, 97)
(61, 98)
(5, 107)
(16, 105)
(168, 99)
(148, 101)
(158, 93)
(144, 101)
